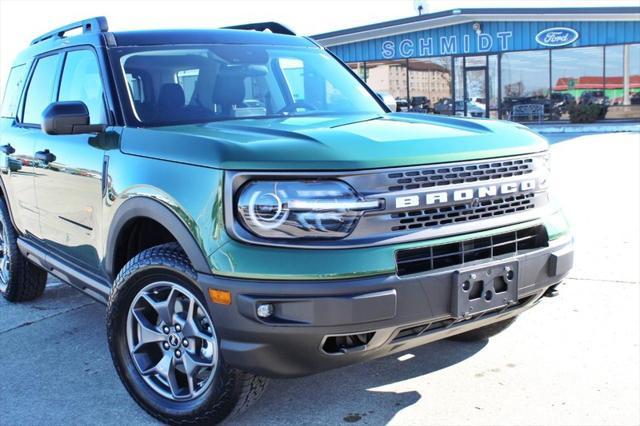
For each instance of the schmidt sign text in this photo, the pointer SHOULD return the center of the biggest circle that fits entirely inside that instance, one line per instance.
(446, 45)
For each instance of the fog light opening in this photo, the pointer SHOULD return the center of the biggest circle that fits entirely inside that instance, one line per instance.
(265, 310)
(347, 343)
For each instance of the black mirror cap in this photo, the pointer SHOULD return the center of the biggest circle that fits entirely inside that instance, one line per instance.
(68, 118)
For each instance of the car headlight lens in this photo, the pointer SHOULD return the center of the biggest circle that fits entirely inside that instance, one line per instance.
(301, 209)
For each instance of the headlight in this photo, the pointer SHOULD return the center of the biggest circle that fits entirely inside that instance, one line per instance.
(301, 209)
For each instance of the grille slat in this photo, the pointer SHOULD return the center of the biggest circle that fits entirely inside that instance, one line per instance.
(486, 170)
(413, 261)
(463, 213)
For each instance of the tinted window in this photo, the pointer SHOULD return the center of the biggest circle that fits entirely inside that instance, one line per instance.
(12, 91)
(223, 82)
(81, 82)
(39, 94)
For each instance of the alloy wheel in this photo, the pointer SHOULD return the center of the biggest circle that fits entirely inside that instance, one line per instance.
(171, 341)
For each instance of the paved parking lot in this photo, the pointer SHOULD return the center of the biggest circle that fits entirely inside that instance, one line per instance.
(574, 359)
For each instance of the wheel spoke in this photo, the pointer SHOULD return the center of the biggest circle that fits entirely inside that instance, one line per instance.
(166, 370)
(190, 328)
(193, 363)
(173, 380)
(148, 332)
(165, 308)
(161, 368)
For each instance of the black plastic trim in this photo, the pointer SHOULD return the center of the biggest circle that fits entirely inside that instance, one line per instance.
(5, 196)
(274, 27)
(142, 207)
(91, 284)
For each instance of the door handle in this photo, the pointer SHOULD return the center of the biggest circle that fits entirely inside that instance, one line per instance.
(7, 149)
(45, 156)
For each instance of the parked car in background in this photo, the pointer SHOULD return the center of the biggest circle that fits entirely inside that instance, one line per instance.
(594, 97)
(13, 164)
(560, 102)
(420, 104)
(443, 106)
(402, 105)
(548, 112)
(473, 109)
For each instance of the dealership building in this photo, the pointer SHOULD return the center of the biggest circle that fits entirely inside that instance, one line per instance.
(520, 64)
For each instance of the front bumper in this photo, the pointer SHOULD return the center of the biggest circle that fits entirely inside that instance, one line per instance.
(402, 313)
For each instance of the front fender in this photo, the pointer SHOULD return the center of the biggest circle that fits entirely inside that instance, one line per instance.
(144, 207)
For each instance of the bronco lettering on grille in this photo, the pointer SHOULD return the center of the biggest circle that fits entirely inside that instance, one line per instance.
(480, 192)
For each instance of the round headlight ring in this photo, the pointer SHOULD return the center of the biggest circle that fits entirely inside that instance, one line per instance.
(258, 218)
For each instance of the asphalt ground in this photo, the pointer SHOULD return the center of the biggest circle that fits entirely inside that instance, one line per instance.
(573, 359)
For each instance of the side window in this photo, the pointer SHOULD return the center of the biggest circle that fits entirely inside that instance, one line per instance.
(40, 91)
(81, 82)
(12, 91)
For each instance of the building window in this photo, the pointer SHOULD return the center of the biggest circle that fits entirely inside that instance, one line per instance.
(389, 79)
(576, 75)
(525, 84)
(430, 85)
(622, 81)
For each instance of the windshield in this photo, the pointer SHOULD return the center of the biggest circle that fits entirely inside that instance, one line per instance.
(179, 85)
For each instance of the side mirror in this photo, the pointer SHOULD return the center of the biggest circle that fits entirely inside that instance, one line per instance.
(68, 118)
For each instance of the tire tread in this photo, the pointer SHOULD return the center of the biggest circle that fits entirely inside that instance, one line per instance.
(27, 281)
(239, 389)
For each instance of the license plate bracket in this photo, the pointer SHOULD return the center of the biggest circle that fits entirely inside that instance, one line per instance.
(478, 289)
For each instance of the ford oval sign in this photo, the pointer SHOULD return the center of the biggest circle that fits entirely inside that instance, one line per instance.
(555, 37)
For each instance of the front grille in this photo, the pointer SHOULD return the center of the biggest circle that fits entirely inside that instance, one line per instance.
(427, 177)
(461, 212)
(413, 261)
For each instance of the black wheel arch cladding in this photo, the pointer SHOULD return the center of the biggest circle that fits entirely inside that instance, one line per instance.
(147, 208)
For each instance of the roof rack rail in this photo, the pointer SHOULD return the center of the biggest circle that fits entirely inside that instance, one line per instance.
(274, 27)
(92, 25)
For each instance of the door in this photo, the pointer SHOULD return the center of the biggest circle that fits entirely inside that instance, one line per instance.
(476, 87)
(68, 168)
(18, 143)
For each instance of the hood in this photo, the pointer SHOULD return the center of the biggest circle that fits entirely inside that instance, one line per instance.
(344, 142)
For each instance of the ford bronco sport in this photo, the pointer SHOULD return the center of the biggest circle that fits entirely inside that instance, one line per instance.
(246, 208)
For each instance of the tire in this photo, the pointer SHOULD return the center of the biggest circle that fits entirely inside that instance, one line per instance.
(20, 280)
(485, 332)
(153, 277)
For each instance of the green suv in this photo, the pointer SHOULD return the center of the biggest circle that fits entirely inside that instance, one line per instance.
(246, 207)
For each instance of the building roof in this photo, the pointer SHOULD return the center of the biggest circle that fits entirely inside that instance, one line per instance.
(456, 16)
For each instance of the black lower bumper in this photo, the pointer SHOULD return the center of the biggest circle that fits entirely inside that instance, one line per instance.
(315, 323)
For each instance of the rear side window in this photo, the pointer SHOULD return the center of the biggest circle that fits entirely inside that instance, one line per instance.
(81, 82)
(12, 91)
(40, 92)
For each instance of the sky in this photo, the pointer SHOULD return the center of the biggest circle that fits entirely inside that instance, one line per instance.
(23, 20)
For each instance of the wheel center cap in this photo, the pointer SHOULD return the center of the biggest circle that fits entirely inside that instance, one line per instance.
(174, 340)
